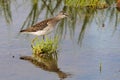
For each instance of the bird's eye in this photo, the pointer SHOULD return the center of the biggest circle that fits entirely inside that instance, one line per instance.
(63, 13)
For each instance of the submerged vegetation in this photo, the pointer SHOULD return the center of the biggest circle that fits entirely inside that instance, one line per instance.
(45, 48)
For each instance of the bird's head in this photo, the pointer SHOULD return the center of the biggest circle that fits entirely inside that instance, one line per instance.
(62, 14)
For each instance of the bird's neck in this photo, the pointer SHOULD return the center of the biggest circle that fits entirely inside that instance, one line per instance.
(57, 18)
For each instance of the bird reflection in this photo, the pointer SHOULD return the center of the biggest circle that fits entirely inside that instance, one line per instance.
(47, 63)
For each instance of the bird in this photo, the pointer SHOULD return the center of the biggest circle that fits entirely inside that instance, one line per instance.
(44, 27)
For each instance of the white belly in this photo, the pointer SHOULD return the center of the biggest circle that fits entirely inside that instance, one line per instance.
(42, 32)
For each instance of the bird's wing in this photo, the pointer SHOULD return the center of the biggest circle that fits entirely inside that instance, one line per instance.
(39, 26)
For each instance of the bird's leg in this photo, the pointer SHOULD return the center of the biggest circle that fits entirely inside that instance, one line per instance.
(34, 41)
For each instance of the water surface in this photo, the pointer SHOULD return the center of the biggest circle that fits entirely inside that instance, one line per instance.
(94, 55)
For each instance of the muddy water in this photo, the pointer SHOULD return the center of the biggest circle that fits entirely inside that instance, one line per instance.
(97, 58)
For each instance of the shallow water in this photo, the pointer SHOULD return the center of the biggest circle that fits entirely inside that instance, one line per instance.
(97, 58)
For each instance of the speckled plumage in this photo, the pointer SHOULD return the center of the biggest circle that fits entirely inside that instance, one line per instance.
(46, 26)
(39, 26)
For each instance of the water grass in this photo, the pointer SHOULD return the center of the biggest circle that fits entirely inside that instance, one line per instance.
(33, 15)
(45, 47)
(6, 8)
(80, 11)
(39, 6)
(87, 3)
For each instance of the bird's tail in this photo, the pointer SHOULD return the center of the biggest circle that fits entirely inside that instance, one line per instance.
(22, 30)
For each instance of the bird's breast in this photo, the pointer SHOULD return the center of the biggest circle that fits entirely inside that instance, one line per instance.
(48, 29)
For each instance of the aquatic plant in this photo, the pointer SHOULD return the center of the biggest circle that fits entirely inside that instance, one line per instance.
(33, 15)
(39, 6)
(47, 63)
(5, 6)
(45, 48)
(87, 3)
(75, 8)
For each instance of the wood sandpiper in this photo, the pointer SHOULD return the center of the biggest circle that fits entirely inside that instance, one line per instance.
(46, 26)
